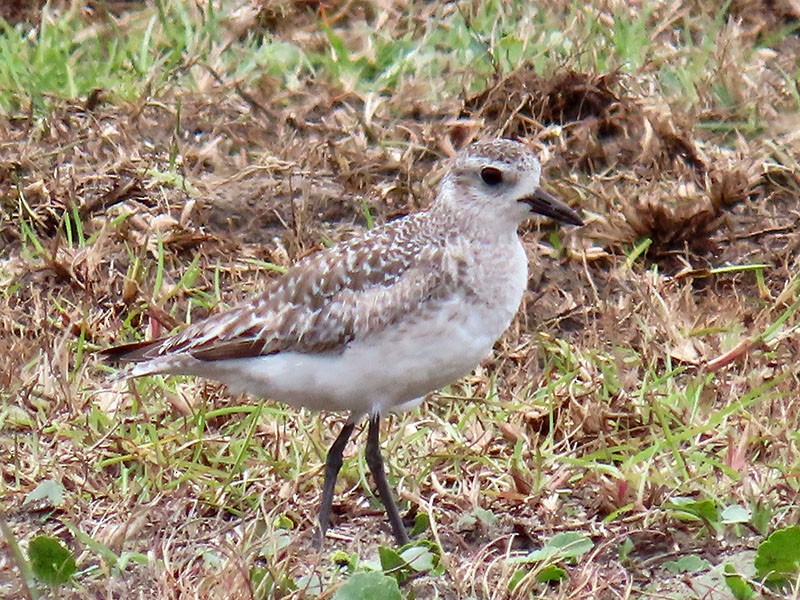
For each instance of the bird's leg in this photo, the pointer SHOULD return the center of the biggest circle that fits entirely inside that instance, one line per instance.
(333, 462)
(375, 463)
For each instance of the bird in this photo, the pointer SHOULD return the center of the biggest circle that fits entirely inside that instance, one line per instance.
(375, 323)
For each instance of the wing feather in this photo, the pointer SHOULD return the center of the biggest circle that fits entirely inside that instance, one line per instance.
(326, 300)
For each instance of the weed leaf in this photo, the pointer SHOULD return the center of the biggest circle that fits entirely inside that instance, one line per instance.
(369, 586)
(778, 557)
(51, 562)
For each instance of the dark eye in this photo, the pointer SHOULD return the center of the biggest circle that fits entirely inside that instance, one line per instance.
(491, 176)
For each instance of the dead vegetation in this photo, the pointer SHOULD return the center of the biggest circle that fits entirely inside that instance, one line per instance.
(228, 182)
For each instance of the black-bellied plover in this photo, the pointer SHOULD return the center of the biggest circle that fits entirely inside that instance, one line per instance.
(374, 324)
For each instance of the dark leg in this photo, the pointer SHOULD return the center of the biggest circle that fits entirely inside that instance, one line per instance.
(375, 463)
(333, 462)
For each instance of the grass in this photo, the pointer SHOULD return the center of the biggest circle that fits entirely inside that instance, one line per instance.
(461, 47)
(634, 429)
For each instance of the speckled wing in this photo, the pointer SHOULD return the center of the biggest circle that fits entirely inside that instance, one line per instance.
(325, 301)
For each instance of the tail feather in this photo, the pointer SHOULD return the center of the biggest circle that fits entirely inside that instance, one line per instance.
(133, 352)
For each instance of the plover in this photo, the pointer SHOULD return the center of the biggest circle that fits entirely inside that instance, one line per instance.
(375, 323)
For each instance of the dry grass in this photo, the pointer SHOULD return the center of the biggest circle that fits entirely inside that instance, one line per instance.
(655, 356)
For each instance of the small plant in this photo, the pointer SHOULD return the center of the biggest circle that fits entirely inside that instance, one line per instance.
(777, 564)
(368, 586)
(381, 578)
(691, 563)
(409, 561)
(778, 557)
(737, 584)
(704, 510)
(562, 548)
(51, 562)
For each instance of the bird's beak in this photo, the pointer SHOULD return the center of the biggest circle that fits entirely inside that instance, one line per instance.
(547, 205)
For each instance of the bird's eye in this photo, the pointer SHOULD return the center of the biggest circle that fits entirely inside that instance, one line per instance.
(492, 176)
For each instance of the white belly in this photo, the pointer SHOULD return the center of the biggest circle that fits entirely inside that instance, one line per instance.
(378, 373)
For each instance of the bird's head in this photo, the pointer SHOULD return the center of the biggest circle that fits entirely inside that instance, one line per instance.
(499, 181)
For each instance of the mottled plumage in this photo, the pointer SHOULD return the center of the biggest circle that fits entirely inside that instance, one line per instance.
(375, 323)
(329, 299)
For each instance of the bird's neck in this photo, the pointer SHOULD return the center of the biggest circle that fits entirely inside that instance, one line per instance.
(472, 225)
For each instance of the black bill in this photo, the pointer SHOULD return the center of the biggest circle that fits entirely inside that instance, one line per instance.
(545, 204)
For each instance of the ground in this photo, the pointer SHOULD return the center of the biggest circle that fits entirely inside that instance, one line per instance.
(643, 402)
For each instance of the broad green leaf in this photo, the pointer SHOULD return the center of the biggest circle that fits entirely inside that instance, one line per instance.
(691, 563)
(471, 520)
(569, 544)
(51, 562)
(735, 514)
(369, 586)
(419, 558)
(740, 589)
(517, 576)
(551, 573)
(778, 557)
(391, 561)
(49, 490)
(422, 522)
(266, 587)
(705, 510)
(762, 515)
